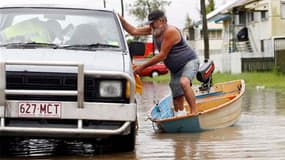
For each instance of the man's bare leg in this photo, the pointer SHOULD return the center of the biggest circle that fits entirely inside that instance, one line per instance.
(189, 94)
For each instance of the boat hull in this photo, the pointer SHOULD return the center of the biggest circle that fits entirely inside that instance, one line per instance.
(221, 118)
(226, 111)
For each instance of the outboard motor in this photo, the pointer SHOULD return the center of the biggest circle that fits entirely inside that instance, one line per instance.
(204, 75)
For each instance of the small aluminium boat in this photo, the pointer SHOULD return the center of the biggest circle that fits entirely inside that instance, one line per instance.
(218, 106)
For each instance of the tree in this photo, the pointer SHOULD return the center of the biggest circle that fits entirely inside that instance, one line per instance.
(188, 21)
(210, 7)
(141, 8)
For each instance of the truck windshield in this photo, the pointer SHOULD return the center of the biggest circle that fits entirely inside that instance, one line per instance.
(62, 27)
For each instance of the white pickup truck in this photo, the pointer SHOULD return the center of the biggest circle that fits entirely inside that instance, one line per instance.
(65, 71)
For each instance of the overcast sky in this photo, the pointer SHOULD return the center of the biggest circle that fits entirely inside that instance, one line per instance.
(176, 12)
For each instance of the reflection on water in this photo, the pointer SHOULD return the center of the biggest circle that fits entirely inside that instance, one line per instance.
(259, 134)
(198, 145)
(19, 147)
(259, 102)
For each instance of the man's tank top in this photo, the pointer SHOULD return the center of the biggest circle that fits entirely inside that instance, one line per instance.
(178, 55)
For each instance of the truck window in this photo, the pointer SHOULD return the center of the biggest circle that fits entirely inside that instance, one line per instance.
(59, 26)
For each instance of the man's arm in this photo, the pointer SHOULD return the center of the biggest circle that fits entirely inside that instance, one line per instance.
(135, 31)
(171, 37)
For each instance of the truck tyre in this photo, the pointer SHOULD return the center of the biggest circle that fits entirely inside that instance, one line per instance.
(125, 143)
(154, 74)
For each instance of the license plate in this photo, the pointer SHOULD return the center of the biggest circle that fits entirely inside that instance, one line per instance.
(40, 109)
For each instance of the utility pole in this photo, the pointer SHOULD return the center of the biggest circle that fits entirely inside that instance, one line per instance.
(104, 3)
(122, 6)
(205, 29)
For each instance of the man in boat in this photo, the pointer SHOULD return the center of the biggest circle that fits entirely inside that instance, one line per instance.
(179, 58)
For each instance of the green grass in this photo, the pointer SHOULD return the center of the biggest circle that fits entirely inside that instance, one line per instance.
(252, 79)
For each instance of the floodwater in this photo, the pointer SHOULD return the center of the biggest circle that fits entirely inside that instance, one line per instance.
(259, 134)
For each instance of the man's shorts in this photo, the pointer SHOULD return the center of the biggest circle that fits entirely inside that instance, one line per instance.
(189, 70)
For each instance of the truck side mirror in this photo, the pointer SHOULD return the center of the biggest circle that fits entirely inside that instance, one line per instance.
(137, 48)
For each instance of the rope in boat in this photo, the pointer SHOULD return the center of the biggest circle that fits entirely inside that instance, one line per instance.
(155, 100)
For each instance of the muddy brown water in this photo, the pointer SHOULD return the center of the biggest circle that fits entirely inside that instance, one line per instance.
(259, 134)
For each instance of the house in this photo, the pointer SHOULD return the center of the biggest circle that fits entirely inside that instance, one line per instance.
(254, 34)
(196, 40)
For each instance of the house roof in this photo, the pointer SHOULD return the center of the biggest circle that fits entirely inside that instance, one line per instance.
(222, 12)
